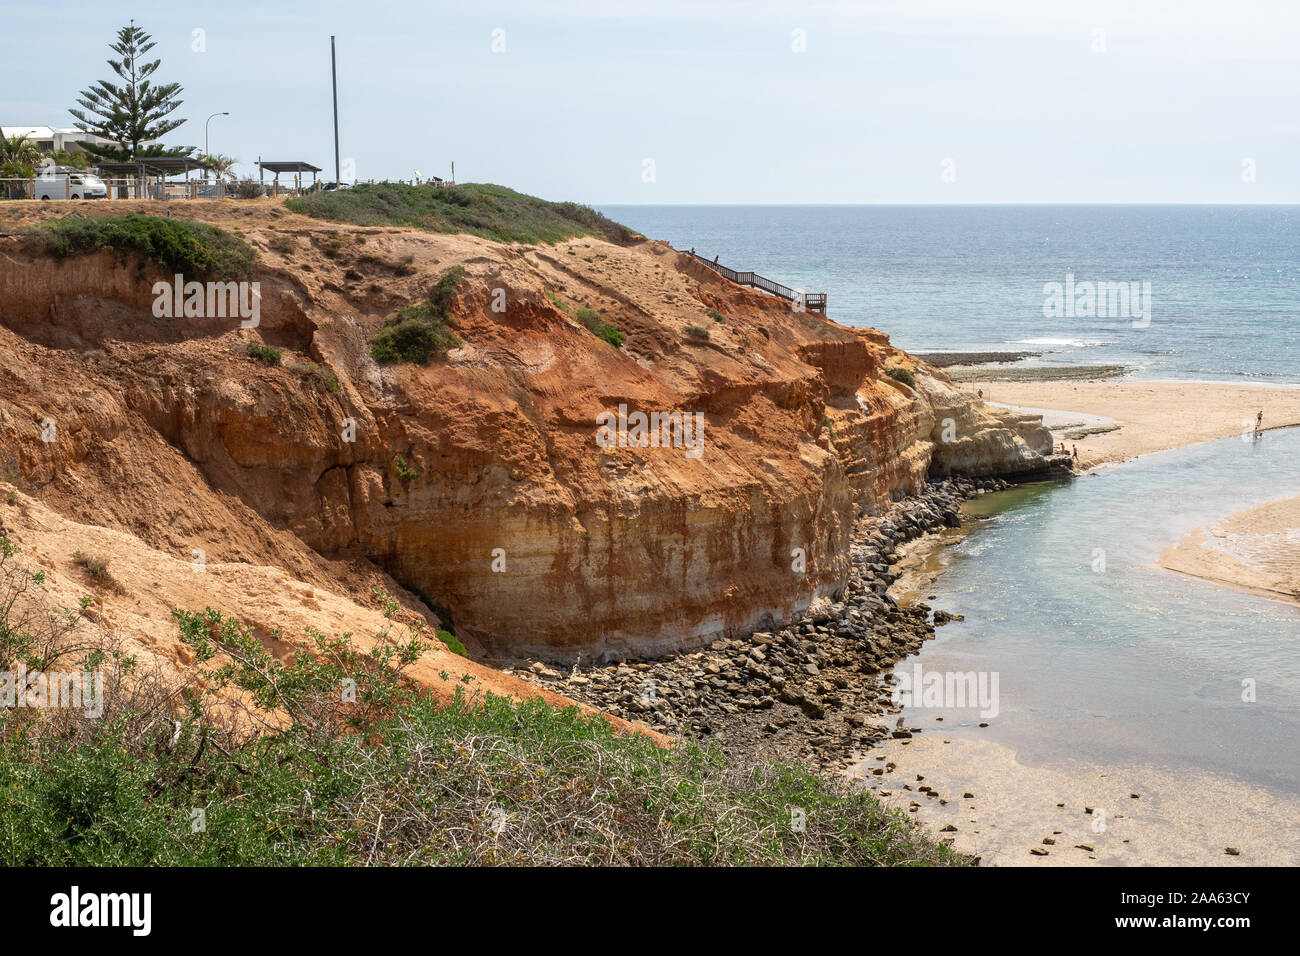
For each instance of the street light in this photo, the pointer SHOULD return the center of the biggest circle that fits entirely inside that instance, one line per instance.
(205, 131)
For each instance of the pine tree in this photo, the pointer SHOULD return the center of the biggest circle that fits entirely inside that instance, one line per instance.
(134, 112)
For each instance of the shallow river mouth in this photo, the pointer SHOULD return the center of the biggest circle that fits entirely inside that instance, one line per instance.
(1115, 678)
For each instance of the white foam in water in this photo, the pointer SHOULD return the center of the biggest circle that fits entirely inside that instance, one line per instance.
(1068, 343)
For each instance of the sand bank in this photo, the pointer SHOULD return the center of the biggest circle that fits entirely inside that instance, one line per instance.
(1152, 415)
(1256, 550)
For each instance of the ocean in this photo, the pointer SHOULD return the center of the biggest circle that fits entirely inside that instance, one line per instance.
(1105, 657)
(1132, 665)
(1223, 281)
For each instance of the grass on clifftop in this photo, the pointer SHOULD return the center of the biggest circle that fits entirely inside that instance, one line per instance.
(481, 209)
(379, 774)
(196, 250)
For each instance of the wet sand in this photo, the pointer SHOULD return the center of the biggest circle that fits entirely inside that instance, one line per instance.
(1256, 550)
(1182, 818)
(1178, 817)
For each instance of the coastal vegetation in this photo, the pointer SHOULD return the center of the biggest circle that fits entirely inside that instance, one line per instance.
(481, 209)
(317, 376)
(266, 354)
(595, 322)
(382, 774)
(900, 374)
(697, 332)
(418, 333)
(195, 250)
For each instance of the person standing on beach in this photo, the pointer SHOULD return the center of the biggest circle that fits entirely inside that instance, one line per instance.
(1259, 422)
(1076, 453)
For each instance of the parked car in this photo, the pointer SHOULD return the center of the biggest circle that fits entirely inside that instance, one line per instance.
(66, 182)
(326, 187)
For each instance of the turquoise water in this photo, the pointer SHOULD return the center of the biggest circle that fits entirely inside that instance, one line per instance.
(1134, 664)
(1225, 280)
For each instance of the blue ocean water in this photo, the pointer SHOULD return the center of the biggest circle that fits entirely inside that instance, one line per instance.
(1224, 280)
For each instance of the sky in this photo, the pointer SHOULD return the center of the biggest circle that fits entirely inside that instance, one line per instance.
(711, 101)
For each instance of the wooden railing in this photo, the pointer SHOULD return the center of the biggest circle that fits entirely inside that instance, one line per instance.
(813, 301)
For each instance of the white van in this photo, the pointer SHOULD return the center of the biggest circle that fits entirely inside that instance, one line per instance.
(65, 182)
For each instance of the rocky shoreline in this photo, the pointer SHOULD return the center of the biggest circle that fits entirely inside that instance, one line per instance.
(816, 690)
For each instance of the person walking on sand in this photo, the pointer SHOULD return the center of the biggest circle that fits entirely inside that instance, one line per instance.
(1259, 422)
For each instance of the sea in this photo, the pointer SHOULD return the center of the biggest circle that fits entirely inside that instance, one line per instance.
(1222, 282)
(1102, 655)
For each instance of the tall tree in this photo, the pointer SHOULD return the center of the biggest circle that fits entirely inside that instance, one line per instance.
(133, 112)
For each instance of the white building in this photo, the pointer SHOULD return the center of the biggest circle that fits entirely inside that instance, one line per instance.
(50, 139)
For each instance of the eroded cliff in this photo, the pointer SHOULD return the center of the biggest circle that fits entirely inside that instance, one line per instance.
(482, 482)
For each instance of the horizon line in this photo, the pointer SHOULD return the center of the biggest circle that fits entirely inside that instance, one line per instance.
(1051, 202)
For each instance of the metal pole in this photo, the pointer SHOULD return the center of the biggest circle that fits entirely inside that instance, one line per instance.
(334, 79)
(205, 130)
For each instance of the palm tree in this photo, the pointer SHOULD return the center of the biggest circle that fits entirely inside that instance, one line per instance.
(220, 164)
(18, 159)
(19, 150)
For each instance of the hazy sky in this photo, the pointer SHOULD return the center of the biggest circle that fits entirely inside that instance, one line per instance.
(708, 101)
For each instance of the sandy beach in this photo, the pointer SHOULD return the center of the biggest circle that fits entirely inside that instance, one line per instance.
(1003, 810)
(1256, 550)
(979, 793)
(1151, 415)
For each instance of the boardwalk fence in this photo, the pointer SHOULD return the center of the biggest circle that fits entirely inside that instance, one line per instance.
(813, 301)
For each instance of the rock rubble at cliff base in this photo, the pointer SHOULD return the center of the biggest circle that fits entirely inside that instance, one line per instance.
(817, 689)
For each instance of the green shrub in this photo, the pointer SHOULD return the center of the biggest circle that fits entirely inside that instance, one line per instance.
(900, 374)
(481, 209)
(559, 303)
(356, 765)
(715, 315)
(697, 332)
(266, 354)
(404, 471)
(317, 376)
(453, 643)
(419, 333)
(245, 189)
(594, 321)
(195, 250)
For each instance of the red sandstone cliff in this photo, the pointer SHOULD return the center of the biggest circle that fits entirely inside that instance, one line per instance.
(539, 540)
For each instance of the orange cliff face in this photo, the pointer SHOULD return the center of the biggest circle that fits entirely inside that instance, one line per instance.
(518, 504)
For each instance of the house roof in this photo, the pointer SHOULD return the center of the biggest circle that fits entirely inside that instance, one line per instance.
(31, 132)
